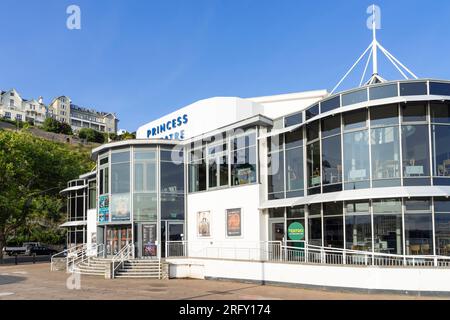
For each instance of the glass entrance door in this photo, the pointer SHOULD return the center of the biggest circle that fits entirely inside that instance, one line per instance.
(175, 235)
(117, 237)
(276, 233)
(149, 241)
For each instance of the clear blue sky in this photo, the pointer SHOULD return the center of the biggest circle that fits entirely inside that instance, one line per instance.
(145, 58)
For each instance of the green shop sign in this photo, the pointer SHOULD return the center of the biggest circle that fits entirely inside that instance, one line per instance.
(296, 231)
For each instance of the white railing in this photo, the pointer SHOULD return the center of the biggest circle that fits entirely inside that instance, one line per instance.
(82, 254)
(302, 253)
(64, 254)
(237, 250)
(125, 253)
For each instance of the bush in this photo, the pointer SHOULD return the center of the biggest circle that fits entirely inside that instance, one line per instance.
(91, 135)
(53, 125)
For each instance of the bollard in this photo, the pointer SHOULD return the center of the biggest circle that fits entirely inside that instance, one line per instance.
(15, 259)
(34, 258)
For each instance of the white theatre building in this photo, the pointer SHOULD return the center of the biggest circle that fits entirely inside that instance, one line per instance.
(342, 190)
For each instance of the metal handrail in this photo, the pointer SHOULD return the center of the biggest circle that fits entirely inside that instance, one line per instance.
(82, 254)
(121, 256)
(65, 253)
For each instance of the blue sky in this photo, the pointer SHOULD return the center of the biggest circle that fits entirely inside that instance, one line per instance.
(145, 58)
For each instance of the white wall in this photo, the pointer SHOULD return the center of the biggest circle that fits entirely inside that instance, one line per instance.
(91, 225)
(217, 202)
(370, 278)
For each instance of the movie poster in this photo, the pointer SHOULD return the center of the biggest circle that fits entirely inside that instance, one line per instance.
(120, 207)
(234, 225)
(149, 240)
(103, 208)
(204, 224)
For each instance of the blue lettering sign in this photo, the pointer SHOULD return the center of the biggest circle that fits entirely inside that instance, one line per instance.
(168, 126)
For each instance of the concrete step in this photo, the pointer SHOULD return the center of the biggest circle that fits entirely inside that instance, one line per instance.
(87, 272)
(139, 268)
(137, 276)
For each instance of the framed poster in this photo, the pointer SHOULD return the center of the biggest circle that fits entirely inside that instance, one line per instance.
(103, 208)
(120, 207)
(234, 223)
(149, 240)
(204, 224)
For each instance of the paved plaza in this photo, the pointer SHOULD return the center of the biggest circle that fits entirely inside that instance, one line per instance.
(38, 282)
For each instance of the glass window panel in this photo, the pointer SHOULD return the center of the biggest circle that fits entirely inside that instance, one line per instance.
(441, 150)
(384, 115)
(175, 156)
(440, 112)
(293, 120)
(294, 169)
(313, 158)
(333, 231)
(415, 149)
(275, 143)
(357, 207)
(331, 126)
(388, 233)
(358, 232)
(442, 205)
(295, 212)
(244, 141)
(312, 112)
(120, 178)
(382, 92)
(442, 230)
(385, 146)
(418, 234)
(294, 139)
(312, 131)
(138, 177)
(276, 213)
(331, 160)
(120, 157)
(354, 97)
(332, 208)
(413, 112)
(392, 206)
(276, 173)
(101, 183)
(413, 89)
(104, 161)
(440, 89)
(315, 231)
(418, 204)
(355, 119)
(356, 157)
(172, 177)
(172, 206)
(315, 209)
(144, 155)
(92, 195)
(145, 207)
(330, 104)
(223, 171)
(197, 176)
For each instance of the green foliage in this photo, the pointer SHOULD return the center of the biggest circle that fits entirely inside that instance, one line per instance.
(55, 126)
(32, 172)
(18, 124)
(124, 136)
(91, 135)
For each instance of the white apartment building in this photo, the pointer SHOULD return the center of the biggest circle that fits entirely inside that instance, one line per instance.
(14, 107)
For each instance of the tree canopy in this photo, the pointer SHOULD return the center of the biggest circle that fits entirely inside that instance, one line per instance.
(53, 125)
(32, 172)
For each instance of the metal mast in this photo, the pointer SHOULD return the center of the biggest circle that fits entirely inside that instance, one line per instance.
(372, 52)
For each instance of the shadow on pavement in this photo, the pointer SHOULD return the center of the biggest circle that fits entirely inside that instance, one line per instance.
(10, 279)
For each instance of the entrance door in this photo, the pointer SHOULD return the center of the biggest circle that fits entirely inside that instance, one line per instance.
(117, 237)
(276, 233)
(149, 247)
(175, 233)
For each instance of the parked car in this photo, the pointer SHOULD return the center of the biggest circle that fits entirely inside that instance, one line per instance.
(42, 251)
(24, 249)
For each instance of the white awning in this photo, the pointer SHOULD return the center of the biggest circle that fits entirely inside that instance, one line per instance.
(280, 131)
(351, 195)
(74, 188)
(73, 224)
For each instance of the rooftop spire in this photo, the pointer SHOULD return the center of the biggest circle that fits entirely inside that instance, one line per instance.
(372, 51)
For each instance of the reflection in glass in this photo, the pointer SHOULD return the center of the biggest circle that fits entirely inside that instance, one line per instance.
(358, 231)
(330, 104)
(331, 160)
(413, 112)
(276, 175)
(354, 97)
(356, 160)
(387, 225)
(355, 119)
(384, 115)
(442, 225)
(382, 92)
(315, 231)
(440, 89)
(294, 172)
(418, 233)
(385, 146)
(333, 228)
(331, 126)
(441, 150)
(413, 89)
(313, 158)
(415, 149)
(440, 112)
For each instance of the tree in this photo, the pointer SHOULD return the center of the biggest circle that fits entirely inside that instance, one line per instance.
(32, 172)
(55, 126)
(91, 135)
